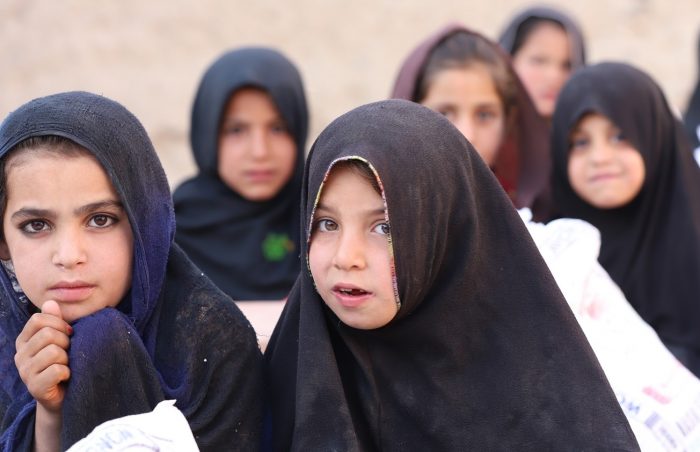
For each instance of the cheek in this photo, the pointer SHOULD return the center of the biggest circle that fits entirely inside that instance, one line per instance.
(285, 154)
(575, 171)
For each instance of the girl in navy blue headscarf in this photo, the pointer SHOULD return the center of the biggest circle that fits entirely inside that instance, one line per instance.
(101, 315)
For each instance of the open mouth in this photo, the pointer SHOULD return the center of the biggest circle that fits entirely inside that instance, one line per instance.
(352, 292)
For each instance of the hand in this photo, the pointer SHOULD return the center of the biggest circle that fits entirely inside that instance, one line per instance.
(42, 357)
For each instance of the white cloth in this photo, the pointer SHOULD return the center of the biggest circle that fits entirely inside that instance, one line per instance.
(163, 429)
(659, 396)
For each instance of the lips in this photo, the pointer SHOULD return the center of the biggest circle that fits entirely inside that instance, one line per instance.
(71, 291)
(350, 295)
(603, 177)
(259, 175)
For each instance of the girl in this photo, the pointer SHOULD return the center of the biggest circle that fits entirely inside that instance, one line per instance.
(425, 318)
(469, 79)
(621, 162)
(238, 218)
(547, 46)
(101, 315)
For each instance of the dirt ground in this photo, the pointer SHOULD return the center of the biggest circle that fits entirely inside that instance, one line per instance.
(150, 55)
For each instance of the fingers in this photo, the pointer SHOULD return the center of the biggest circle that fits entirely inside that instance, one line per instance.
(52, 308)
(43, 320)
(41, 355)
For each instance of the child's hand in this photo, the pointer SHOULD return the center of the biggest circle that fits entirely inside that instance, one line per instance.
(42, 357)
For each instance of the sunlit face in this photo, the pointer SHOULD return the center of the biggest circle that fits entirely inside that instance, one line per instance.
(469, 99)
(256, 151)
(349, 253)
(604, 169)
(66, 233)
(543, 63)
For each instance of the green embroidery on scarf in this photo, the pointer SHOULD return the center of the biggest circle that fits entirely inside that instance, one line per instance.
(275, 247)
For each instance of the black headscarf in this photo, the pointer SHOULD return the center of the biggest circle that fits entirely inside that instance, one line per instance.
(510, 35)
(173, 336)
(522, 162)
(651, 246)
(249, 249)
(692, 114)
(484, 353)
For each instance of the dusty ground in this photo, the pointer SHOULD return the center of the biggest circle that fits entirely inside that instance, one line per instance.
(150, 55)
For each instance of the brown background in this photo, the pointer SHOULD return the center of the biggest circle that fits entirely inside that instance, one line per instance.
(149, 55)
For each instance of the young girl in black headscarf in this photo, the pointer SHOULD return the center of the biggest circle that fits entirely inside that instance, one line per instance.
(424, 318)
(101, 315)
(547, 46)
(469, 79)
(238, 218)
(622, 163)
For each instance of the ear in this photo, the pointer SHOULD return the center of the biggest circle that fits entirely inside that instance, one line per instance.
(4, 251)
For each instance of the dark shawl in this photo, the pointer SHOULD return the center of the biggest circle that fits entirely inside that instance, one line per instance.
(484, 353)
(227, 236)
(173, 336)
(692, 114)
(650, 247)
(522, 163)
(576, 42)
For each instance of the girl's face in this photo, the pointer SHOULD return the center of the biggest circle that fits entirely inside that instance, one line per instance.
(66, 232)
(469, 99)
(604, 169)
(349, 253)
(543, 63)
(256, 152)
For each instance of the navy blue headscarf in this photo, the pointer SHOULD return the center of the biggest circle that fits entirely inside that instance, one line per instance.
(174, 335)
(249, 249)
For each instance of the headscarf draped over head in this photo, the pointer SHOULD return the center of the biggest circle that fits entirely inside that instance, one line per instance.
(522, 162)
(483, 354)
(249, 249)
(651, 246)
(509, 36)
(170, 320)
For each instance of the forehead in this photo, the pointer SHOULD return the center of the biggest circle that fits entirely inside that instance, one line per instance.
(44, 174)
(250, 101)
(474, 82)
(547, 35)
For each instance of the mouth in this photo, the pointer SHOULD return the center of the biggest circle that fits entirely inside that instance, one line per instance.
(603, 177)
(350, 296)
(260, 175)
(71, 291)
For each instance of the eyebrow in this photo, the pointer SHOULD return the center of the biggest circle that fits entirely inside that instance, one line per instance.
(321, 206)
(29, 212)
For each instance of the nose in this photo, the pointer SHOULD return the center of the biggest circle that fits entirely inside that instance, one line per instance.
(350, 252)
(69, 249)
(601, 153)
(259, 145)
(465, 125)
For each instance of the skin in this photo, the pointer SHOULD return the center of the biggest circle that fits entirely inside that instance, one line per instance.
(543, 63)
(257, 153)
(71, 245)
(469, 99)
(604, 169)
(350, 249)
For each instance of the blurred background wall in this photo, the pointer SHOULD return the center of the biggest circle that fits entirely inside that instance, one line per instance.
(150, 55)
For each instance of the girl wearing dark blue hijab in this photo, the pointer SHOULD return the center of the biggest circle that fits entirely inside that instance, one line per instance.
(101, 314)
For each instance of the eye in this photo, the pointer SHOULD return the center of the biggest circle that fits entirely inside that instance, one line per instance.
(233, 129)
(101, 221)
(538, 60)
(578, 143)
(382, 228)
(279, 127)
(485, 115)
(326, 225)
(618, 137)
(34, 226)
